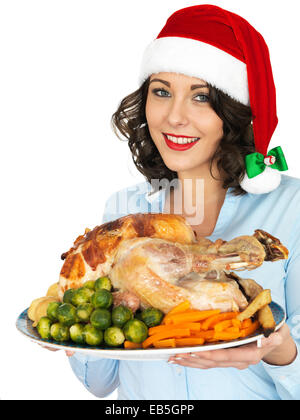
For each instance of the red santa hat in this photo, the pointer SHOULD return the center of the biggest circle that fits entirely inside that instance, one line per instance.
(223, 49)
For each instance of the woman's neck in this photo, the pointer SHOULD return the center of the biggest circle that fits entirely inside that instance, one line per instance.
(199, 198)
(212, 188)
(200, 181)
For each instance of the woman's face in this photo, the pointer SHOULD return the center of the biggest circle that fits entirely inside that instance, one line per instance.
(176, 107)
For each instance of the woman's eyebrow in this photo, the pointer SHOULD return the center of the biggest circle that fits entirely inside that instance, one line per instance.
(169, 84)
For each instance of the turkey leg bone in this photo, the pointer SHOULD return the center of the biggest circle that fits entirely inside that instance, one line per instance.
(153, 270)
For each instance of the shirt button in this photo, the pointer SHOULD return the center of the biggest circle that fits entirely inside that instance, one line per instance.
(178, 370)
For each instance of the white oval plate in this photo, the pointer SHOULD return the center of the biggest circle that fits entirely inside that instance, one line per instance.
(24, 325)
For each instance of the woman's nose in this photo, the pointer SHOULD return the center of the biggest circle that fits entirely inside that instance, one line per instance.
(177, 114)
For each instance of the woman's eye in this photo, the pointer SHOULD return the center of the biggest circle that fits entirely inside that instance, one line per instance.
(204, 98)
(159, 90)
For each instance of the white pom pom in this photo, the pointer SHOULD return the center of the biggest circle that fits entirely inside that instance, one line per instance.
(263, 183)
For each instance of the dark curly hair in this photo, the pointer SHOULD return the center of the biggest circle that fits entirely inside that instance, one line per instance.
(236, 143)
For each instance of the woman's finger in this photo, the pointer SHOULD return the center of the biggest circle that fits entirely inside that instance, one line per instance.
(209, 364)
(275, 339)
(245, 354)
(48, 348)
(239, 354)
(68, 352)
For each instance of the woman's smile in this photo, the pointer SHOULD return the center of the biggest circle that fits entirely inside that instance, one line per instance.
(180, 143)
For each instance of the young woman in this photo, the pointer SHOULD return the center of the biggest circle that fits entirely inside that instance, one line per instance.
(206, 111)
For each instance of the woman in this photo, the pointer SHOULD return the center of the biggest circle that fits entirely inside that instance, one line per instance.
(206, 110)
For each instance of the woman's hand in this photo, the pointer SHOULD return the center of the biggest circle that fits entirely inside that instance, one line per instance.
(68, 353)
(278, 349)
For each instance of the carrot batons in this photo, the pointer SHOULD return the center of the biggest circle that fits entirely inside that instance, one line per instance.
(173, 333)
(192, 316)
(207, 335)
(215, 319)
(193, 326)
(189, 341)
(250, 330)
(182, 307)
(246, 323)
(184, 327)
(223, 325)
(225, 335)
(169, 342)
(131, 345)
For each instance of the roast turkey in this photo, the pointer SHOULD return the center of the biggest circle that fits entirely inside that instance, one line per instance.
(155, 259)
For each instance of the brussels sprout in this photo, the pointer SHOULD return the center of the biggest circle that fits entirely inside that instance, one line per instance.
(43, 328)
(102, 298)
(59, 332)
(135, 331)
(90, 292)
(89, 284)
(138, 315)
(92, 335)
(66, 314)
(83, 312)
(68, 295)
(120, 315)
(152, 316)
(103, 283)
(52, 310)
(101, 318)
(76, 333)
(114, 336)
(81, 296)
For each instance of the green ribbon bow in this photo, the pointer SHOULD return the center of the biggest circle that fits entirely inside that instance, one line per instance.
(255, 164)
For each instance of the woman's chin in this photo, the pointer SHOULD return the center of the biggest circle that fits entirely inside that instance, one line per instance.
(176, 166)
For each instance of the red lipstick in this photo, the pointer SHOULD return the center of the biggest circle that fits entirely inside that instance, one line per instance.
(177, 146)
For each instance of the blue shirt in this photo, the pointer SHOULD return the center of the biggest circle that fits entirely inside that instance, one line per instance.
(278, 213)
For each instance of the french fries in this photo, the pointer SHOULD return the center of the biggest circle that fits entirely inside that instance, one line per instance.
(266, 320)
(260, 301)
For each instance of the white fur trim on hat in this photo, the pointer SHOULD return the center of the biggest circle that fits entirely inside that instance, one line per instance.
(263, 183)
(197, 59)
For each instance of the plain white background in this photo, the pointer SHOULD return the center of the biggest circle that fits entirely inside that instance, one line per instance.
(65, 66)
